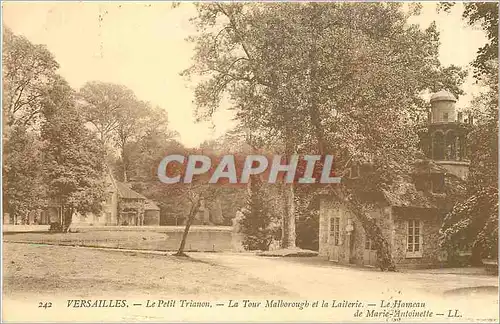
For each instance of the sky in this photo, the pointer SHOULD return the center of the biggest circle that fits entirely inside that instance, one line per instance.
(142, 46)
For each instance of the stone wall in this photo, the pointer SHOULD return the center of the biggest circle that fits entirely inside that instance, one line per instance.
(323, 227)
(457, 168)
(352, 247)
(432, 254)
(393, 223)
(439, 108)
(152, 218)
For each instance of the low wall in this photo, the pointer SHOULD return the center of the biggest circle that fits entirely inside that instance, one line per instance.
(157, 229)
(24, 228)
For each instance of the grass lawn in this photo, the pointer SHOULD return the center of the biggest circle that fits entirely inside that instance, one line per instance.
(82, 272)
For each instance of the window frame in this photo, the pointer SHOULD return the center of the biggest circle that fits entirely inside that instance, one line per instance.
(369, 244)
(334, 230)
(411, 232)
(354, 172)
(435, 187)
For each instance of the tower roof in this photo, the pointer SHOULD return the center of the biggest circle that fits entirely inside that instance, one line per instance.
(443, 95)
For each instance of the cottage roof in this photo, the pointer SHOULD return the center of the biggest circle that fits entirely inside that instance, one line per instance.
(125, 192)
(403, 193)
(151, 205)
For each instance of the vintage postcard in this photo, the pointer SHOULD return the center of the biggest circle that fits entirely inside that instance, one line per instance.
(319, 162)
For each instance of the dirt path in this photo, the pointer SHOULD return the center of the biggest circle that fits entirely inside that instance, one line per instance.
(320, 280)
(54, 271)
(475, 296)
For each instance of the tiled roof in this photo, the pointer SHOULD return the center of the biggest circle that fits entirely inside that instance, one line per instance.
(125, 192)
(150, 205)
(403, 193)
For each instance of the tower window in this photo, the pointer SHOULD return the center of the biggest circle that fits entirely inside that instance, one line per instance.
(438, 146)
(445, 116)
(462, 148)
(437, 183)
(451, 146)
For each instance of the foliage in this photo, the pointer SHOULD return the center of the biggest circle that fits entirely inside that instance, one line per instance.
(122, 120)
(485, 15)
(257, 221)
(29, 70)
(473, 224)
(308, 231)
(73, 157)
(55, 227)
(346, 77)
(101, 105)
(23, 187)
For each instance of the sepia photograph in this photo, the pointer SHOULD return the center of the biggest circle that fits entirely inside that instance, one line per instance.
(258, 161)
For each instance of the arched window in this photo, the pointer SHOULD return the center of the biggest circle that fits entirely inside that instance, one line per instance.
(462, 148)
(451, 146)
(438, 146)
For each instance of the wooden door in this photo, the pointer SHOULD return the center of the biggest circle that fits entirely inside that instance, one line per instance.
(334, 236)
(369, 254)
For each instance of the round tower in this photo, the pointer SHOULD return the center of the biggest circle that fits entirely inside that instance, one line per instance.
(446, 134)
(443, 107)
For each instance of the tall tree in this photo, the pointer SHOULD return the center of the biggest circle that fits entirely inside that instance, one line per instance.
(28, 70)
(121, 118)
(257, 222)
(485, 15)
(102, 105)
(347, 75)
(23, 186)
(73, 156)
(473, 224)
(130, 122)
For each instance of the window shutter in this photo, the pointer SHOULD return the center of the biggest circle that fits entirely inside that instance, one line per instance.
(421, 224)
(407, 235)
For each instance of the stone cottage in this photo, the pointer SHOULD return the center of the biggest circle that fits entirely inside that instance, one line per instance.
(411, 215)
(122, 206)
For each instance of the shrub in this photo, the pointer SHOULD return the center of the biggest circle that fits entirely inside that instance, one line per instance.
(55, 227)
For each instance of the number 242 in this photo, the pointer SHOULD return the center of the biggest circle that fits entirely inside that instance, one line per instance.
(44, 305)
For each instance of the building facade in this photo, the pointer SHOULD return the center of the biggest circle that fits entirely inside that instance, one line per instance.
(122, 206)
(411, 215)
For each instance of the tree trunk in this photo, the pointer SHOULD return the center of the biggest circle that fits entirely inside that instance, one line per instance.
(192, 214)
(384, 257)
(373, 231)
(67, 219)
(125, 164)
(288, 225)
